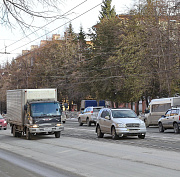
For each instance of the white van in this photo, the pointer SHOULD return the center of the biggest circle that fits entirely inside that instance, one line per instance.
(157, 108)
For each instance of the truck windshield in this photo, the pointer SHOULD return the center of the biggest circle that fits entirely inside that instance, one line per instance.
(45, 109)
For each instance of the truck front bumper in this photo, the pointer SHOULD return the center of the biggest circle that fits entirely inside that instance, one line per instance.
(46, 129)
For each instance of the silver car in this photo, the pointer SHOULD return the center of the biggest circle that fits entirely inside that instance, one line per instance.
(171, 120)
(89, 115)
(119, 123)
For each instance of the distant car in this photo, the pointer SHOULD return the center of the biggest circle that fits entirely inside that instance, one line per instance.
(89, 115)
(171, 120)
(3, 123)
(119, 123)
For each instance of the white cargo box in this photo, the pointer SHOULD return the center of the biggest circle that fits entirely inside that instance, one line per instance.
(16, 99)
(41, 94)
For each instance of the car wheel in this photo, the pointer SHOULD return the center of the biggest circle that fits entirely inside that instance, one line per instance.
(114, 134)
(28, 134)
(88, 122)
(5, 128)
(57, 134)
(64, 122)
(99, 133)
(161, 128)
(80, 123)
(176, 128)
(141, 136)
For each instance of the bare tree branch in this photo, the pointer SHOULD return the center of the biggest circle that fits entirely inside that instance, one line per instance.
(18, 11)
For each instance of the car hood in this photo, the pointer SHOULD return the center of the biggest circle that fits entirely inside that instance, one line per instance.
(127, 120)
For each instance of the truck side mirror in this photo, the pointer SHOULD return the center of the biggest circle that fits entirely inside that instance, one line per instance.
(25, 107)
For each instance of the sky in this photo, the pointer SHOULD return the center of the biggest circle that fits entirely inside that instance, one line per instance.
(86, 14)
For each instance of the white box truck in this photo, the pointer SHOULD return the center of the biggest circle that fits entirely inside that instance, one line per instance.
(34, 111)
(157, 108)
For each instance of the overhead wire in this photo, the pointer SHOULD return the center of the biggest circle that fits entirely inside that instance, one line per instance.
(47, 24)
(58, 26)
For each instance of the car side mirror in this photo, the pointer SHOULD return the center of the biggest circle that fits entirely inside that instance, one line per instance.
(107, 117)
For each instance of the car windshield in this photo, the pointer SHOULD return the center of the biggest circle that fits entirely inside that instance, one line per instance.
(1, 117)
(123, 114)
(45, 109)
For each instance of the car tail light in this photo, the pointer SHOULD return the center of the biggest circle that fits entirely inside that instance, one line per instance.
(179, 117)
(91, 111)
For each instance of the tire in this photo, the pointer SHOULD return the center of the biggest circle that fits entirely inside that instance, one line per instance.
(161, 128)
(176, 128)
(28, 134)
(99, 133)
(15, 134)
(141, 136)
(114, 134)
(80, 123)
(57, 134)
(88, 122)
(64, 122)
(5, 128)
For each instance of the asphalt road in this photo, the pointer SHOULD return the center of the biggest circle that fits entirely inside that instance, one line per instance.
(164, 141)
(80, 153)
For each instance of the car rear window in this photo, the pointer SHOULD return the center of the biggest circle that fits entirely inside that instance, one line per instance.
(96, 109)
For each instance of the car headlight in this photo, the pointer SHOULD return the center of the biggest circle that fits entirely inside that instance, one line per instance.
(121, 125)
(142, 124)
(4, 121)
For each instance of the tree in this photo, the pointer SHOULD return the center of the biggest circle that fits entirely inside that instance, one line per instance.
(106, 10)
(81, 38)
(19, 11)
(104, 39)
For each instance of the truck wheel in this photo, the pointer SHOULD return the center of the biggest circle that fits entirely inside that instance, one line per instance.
(57, 134)
(28, 134)
(19, 134)
(15, 134)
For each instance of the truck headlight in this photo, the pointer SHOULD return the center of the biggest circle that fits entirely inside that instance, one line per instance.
(35, 126)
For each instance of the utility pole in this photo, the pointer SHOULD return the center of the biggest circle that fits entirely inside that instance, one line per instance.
(5, 51)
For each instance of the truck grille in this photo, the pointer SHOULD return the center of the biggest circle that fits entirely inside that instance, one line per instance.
(132, 125)
(46, 125)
